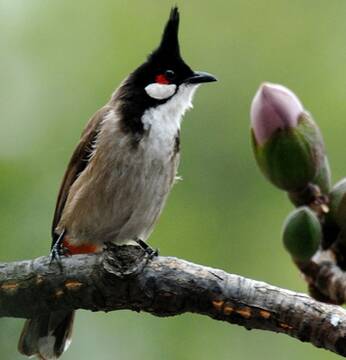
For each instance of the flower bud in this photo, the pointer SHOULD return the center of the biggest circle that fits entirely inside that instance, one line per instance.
(302, 233)
(274, 107)
(287, 143)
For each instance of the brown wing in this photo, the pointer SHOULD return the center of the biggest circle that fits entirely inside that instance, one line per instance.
(77, 164)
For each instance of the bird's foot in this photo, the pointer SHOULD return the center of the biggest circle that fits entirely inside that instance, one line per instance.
(147, 248)
(58, 250)
(55, 255)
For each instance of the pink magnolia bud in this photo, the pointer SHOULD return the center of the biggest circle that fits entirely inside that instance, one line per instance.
(273, 107)
(287, 143)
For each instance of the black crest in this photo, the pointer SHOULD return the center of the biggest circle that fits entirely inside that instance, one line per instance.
(169, 46)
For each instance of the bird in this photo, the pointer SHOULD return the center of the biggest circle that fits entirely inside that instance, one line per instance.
(120, 174)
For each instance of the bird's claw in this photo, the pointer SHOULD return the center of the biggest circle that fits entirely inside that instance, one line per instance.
(147, 249)
(58, 250)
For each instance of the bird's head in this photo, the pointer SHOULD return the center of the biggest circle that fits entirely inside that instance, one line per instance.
(164, 75)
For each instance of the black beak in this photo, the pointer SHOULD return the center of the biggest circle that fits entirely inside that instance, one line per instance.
(200, 77)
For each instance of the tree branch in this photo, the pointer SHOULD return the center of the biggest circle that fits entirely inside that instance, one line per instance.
(326, 280)
(124, 278)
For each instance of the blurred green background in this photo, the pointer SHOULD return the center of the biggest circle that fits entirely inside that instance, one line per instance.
(60, 61)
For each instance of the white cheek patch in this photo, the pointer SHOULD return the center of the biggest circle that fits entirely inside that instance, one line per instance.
(160, 91)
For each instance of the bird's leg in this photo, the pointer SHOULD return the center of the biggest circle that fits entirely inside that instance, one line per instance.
(147, 248)
(57, 249)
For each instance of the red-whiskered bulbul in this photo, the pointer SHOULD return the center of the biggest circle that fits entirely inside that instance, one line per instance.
(121, 172)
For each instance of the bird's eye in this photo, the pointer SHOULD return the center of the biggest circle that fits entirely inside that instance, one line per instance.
(170, 75)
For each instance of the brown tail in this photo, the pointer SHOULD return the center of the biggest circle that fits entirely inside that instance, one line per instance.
(47, 336)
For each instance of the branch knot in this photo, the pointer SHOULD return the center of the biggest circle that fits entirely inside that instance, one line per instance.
(124, 261)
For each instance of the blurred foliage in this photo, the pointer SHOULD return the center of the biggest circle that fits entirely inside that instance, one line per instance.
(60, 61)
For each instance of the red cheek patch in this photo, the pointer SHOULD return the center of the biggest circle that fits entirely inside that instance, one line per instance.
(161, 79)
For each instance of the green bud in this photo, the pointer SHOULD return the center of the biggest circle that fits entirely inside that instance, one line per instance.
(287, 143)
(302, 233)
(337, 204)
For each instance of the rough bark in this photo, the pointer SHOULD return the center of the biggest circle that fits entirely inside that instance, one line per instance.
(125, 278)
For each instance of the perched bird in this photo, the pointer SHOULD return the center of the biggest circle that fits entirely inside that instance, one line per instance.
(121, 172)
